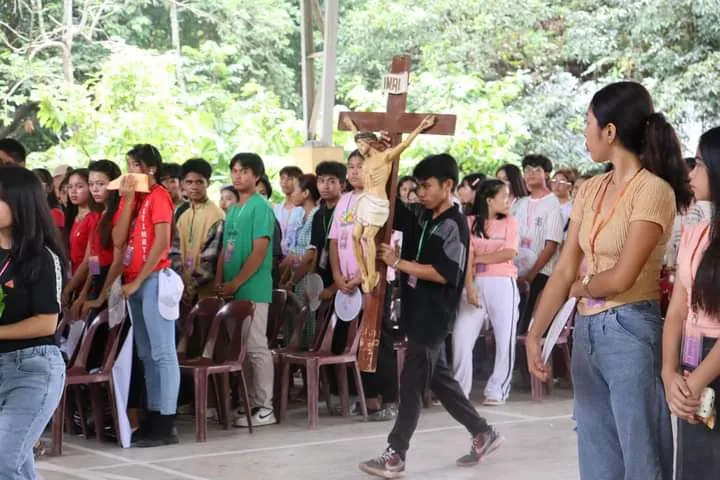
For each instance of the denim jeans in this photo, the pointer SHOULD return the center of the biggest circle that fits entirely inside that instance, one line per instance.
(155, 343)
(623, 422)
(31, 383)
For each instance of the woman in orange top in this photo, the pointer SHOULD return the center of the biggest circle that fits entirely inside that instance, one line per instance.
(693, 321)
(620, 223)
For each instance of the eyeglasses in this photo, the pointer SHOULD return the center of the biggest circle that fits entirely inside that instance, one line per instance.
(561, 183)
(530, 169)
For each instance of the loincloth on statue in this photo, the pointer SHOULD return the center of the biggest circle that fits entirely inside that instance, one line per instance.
(372, 210)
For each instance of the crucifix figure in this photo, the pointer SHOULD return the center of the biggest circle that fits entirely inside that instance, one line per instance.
(395, 122)
(373, 208)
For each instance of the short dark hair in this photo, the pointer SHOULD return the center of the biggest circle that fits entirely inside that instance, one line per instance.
(309, 182)
(355, 154)
(535, 160)
(443, 167)
(231, 189)
(366, 136)
(251, 161)
(331, 169)
(266, 183)
(14, 149)
(197, 165)
(291, 171)
(171, 170)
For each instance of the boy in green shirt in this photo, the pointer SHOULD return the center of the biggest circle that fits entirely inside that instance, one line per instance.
(246, 273)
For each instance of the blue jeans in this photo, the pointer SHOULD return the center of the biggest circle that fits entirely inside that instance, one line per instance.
(31, 384)
(623, 422)
(155, 343)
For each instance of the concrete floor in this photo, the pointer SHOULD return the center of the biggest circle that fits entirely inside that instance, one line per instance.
(540, 444)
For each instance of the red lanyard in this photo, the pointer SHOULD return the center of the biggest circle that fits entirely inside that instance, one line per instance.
(598, 226)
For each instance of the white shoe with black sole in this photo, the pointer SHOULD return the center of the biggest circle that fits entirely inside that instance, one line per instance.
(261, 416)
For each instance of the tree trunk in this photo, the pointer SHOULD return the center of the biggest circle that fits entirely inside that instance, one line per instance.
(68, 69)
(175, 34)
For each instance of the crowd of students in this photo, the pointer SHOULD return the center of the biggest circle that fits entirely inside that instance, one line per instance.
(507, 251)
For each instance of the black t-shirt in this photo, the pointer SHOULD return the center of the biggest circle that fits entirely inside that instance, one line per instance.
(26, 299)
(320, 229)
(429, 310)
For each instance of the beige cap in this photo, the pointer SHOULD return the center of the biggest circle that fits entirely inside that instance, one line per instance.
(61, 170)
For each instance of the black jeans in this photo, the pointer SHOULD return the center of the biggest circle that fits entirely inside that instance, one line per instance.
(698, 448)
(527, 302)
(424, 365)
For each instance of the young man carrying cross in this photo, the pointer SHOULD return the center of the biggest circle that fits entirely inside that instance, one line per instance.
(439, 238)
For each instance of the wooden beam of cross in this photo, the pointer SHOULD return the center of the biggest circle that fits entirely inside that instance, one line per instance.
(395, 122)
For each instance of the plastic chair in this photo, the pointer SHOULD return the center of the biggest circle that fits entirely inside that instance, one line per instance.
(231, 320)
(78, 374)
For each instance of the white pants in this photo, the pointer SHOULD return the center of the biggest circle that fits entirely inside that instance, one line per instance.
(499, 300)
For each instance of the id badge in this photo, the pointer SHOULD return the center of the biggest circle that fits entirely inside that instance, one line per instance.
(323, 263)
(412, 282)
(94, 265)
(189, 263)
(480, 268)
(691, 352)
(525, 242)
(343, 242)
(229, 249)
(128, 255)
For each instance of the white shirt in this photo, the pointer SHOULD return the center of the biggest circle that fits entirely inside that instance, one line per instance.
(540, 220)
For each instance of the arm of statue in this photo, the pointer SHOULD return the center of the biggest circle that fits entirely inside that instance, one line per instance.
(395, 152)
(351, 125)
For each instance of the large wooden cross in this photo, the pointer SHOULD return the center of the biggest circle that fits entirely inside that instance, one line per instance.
(395, 122)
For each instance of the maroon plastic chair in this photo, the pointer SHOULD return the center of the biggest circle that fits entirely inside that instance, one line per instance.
(312, 361)
(227, 325)
(78, 374)
(196, 324)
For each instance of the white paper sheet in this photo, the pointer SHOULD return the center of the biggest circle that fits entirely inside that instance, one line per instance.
(121, 381)
(557, 327)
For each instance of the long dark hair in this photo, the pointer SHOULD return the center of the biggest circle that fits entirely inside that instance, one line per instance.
(515, 180)
(485, 191)
(71, 212)
(309, 182)
(111, 171)
(149, 156)
(473, 180)
(644, 132)
(33, 228)
(705, 286)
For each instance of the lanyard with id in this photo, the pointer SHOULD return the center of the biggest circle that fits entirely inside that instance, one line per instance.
(692, 344)
(599, 223)
(230, 247)
(412, 280)
(325, 255)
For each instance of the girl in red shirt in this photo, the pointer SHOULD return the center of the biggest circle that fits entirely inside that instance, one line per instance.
(144, 227)
(99, 251)
(56, 211)
(79, 223)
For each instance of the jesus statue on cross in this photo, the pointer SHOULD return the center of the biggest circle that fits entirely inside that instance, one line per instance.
(373, 206)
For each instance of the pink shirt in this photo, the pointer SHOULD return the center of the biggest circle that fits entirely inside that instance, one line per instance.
(693, 243)
(341, 231)
(502, 235)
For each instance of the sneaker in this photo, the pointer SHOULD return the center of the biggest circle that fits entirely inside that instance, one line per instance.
(386, 414)
(261, 416)
(387, 465)
(482, 446)
(493, 402)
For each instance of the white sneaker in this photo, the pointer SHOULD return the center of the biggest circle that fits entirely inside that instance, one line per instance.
(261, 416)
(493, 402)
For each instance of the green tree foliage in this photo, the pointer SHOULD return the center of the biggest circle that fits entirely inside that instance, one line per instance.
(84, 79)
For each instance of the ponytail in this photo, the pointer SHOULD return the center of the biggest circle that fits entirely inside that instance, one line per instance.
(662, 155)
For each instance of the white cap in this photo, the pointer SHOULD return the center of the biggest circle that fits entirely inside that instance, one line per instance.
(170, 292)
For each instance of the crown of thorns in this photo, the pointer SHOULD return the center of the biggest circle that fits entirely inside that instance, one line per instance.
(367, 136)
